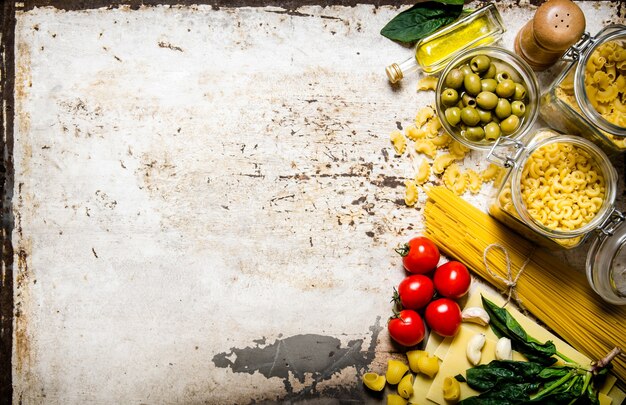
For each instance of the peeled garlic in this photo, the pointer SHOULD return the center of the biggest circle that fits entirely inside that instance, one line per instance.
(475, 315)
(474, 348)
(503, 349)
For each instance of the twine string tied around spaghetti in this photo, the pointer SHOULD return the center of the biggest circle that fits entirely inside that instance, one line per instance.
(510, 281)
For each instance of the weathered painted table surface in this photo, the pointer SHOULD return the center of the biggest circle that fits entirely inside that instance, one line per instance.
(205, 200)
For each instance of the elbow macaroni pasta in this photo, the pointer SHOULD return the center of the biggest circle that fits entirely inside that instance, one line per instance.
(562, 187)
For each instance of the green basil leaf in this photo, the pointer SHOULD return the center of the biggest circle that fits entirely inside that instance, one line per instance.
(553, 373)
(460, 378)
(421, 20)
(503, 324)
(508, 394)
(498, 372)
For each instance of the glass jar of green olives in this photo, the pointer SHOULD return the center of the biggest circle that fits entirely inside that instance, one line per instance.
(588, 97)
(558, 191)
(485, 93)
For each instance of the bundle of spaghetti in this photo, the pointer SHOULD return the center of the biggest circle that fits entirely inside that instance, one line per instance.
(559, 296)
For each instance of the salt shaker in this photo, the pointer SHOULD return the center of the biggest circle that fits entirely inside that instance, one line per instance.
(557, 25)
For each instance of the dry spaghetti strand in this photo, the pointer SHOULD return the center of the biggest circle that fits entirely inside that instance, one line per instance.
(554, 293)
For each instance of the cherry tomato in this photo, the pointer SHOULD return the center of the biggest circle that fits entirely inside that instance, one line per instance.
(452, 280)
(407, 328)
(443, 316)
(415, 291)
(420, 255)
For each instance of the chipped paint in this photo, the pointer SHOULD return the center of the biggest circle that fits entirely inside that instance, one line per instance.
(190, 178)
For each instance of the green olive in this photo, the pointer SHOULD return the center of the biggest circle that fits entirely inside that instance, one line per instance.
(491, 72)
(449, 97)
(472, 84)
(495, 119)
(518, 108)
(488, 85)
(466, 70)
(500, 76)
(506, 88)
(503, 108)
(520, 92)
(510, 124)
(485, 116)
(460, 104)
(487, 100)
(480, 63)
(453, 115)
(474, 133)
(470, 116)
(454, 79)
(492, 131)
(468, 101)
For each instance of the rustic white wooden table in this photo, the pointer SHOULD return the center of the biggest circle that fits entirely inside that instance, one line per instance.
(205, 200)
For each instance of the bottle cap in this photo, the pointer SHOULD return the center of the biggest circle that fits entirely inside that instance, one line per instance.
(394, 73)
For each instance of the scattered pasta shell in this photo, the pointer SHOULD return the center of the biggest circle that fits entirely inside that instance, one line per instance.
(442, 162)
(473, 180)
(441, 141)
(451, 389)
(398, 141)
(490, 172)
(414, 133)
(413, 356)
(427, 83)
(410, 193)
(394, 399)
(454, 180)
(423, 172)
(405, 386)
(457, 149)
(374, 381)
(424, 115)
(428, 365)
(396, 369)
(426, 146)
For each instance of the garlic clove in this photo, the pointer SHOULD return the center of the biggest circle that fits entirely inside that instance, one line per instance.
(474, 348)
(503, 349)
(475, 315)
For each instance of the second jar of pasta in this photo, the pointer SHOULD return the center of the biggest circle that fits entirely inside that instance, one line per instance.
(559, 191)
(588, 97)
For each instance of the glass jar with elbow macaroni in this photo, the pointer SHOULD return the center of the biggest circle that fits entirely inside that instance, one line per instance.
(559, 191)
(588, 97)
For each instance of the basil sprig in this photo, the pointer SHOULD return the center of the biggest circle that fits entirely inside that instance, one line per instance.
(422, 20)
(504, 325)
(507, 382)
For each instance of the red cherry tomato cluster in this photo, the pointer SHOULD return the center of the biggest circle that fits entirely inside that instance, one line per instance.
(429, 290)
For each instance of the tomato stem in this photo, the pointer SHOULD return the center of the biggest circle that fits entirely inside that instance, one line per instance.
(403, 249)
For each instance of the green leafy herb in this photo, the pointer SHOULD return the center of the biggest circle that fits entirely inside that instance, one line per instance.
(504, 382)
(504, 325)
(422, 20)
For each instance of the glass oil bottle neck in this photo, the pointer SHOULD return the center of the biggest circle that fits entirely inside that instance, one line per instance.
(395, 72)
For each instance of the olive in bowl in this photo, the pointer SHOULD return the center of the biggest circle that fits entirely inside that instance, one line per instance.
(490, 92)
